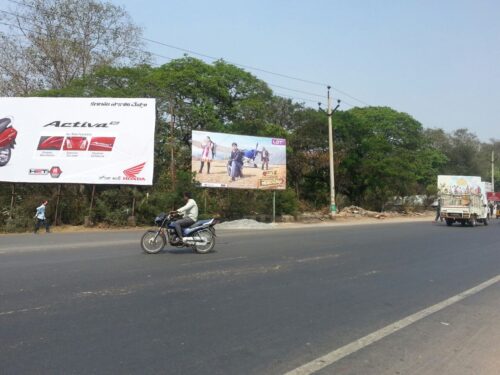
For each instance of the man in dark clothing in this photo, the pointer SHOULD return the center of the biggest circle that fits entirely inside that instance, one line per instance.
(235, 165)
(438, 210)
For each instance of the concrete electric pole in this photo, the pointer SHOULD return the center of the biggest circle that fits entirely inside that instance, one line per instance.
(493, 170)
(333, 206)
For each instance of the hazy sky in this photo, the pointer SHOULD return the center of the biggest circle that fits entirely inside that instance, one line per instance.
(437, 60)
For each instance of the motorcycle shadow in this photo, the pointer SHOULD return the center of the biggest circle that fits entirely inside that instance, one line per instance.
(185, 250)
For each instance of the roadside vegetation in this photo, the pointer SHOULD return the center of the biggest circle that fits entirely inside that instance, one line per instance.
(380, 153)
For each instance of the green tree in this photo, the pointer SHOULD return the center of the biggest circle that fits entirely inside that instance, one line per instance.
(53, 42)
(383, 153)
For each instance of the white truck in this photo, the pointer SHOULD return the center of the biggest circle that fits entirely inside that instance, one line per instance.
(463, 200)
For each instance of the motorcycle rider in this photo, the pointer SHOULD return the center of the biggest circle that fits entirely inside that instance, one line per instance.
(190, 215)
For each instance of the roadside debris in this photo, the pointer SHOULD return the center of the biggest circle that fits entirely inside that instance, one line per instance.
(245, 224)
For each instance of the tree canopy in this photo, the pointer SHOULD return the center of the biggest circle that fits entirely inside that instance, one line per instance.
(50, 43)
(380, 153)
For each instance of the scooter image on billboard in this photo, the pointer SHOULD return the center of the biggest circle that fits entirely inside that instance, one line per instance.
(101, 143)
(7, 140)
(75, 144)
(50, 143)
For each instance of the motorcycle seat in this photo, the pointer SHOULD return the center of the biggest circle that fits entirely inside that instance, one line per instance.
(4, 122)
(199, 223)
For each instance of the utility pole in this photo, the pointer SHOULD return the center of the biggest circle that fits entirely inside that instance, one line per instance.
(333, 206)
(172, 127)
(493, 170)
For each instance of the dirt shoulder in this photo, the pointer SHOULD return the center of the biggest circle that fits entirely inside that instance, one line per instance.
(340, 221)
(243, 225)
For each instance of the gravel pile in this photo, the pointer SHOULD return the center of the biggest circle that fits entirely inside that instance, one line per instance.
(245, 224)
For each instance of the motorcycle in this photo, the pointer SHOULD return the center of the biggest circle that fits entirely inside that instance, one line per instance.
(7, 140)
(200, 236)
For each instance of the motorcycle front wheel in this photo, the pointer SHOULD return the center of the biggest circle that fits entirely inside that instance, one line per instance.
(207, 236)
(4, 156)
(153, 242)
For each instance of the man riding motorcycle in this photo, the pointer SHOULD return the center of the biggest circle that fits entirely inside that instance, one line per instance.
(190, 215)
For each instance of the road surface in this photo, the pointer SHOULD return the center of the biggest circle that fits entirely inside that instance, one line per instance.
(365, 299)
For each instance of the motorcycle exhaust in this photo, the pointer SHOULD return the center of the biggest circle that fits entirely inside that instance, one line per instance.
(192, 241)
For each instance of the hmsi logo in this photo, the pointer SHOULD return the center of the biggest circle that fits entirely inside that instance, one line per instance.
(131, 173)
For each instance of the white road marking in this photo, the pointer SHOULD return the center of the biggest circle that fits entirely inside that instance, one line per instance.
(314, 259)
(212, 261)
(68, 246)
(22, 310)
(363, 342)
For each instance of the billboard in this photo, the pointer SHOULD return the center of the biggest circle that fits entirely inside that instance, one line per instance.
(77, 140)
(495, 197)
(239, 161)
(460, 185)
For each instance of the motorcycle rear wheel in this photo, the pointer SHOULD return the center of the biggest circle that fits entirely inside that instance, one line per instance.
(153, 242)
(207, 236)
(4, 156)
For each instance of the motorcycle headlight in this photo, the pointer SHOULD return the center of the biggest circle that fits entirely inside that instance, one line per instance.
(159, 219)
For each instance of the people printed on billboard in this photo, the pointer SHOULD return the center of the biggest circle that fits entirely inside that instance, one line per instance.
(241, 162)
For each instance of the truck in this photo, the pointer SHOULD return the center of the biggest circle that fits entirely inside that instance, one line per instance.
(462, 199)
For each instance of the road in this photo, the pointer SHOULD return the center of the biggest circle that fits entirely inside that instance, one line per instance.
(265, 302)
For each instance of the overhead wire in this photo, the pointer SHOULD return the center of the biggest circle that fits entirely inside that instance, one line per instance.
(194, 53)
(167, 58)
(238, 64)
(254, 68)
(214, 58)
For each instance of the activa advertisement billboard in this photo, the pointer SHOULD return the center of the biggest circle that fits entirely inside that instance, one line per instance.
(239, 161)
(77, 140)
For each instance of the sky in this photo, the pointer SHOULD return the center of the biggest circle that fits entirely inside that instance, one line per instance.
(438, 61)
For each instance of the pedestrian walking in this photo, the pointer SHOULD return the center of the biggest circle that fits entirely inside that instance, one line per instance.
(40, 217)
(438, 210)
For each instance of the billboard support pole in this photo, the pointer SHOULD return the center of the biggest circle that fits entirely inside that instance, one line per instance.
(12, 199)
(91, 201)
(274, 206)
(57, 204)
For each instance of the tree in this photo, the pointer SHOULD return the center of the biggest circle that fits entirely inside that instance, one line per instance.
(50, 43)
(382, 154)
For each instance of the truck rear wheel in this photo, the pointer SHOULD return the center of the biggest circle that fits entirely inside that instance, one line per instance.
(449, 222)
(473, 221)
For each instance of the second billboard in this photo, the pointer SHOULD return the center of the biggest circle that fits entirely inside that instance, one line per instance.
(239, 161)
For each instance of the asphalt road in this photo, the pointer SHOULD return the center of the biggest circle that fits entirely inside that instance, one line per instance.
(265, 302)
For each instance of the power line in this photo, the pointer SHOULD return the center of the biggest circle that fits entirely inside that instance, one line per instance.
(254, 68)
(238, 64)
(233, 63)
(29, 20)
(170, 59)
(286, 96)
(19, 3)
(297, 91)
(155, 54)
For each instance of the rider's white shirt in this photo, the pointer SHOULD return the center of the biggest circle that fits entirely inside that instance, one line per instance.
(190, 210)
